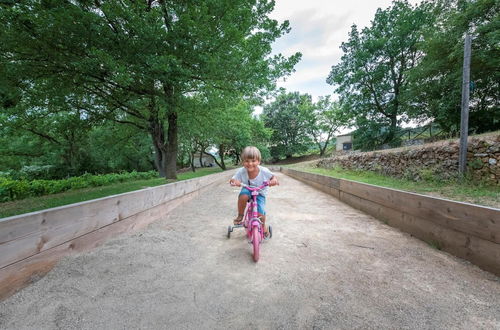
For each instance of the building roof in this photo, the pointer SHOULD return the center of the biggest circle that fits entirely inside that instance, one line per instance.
(348, 134)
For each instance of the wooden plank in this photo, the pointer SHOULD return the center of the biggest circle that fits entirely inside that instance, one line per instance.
(478, 220)
(454, 227)
(19, 274)
(129, 204)
(25, 235)
(480, 252)
(335, 193)
(333, 182)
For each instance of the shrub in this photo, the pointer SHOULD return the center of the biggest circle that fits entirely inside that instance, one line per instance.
(428, 174)
(476, 164)
(36, 172)
(11, 189)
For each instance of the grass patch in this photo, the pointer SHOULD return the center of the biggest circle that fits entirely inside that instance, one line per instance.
(466, 191)
(434, 245)
(32, 204)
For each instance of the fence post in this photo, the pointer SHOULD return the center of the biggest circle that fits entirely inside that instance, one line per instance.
(464, 117)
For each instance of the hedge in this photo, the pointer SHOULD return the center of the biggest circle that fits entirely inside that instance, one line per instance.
(18, 189)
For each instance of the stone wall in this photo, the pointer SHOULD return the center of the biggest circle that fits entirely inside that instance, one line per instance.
(437, 160)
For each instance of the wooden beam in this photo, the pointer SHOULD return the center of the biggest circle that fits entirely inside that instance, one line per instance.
(19, 274)
(468, 231)
(26, 235)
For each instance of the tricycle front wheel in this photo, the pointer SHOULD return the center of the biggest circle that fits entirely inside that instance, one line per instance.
(255, 243)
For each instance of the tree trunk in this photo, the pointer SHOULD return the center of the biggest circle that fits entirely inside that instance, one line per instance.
(191, 161)
(323, 149)
(160, 156)
(392, 129)
(171, 157)
(221, 164)
(158, 136)
(221, 154)
(157, 132)
(201, 158)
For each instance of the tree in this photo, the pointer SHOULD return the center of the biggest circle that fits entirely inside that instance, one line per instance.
(372, 77)
(226, 125)
(114, 147)
(288, 121)
(230, 131)
(370, 134)
(136, 62)
(435, 84)
(61, 134)
(324, 118)
(259, 137)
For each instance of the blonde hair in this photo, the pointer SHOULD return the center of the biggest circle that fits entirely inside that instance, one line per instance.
(250, 153)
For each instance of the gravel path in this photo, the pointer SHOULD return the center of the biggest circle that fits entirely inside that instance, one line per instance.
(327, 266)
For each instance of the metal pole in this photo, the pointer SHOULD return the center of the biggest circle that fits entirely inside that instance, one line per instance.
(464, 118)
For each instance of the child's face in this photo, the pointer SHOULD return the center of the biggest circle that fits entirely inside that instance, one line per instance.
(251, 164)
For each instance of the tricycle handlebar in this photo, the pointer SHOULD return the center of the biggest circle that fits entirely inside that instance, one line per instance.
(264, 184)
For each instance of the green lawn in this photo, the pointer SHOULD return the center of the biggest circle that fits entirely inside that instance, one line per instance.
(470, 192)
(8, 209)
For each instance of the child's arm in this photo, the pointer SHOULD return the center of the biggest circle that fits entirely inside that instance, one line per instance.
(273, 181)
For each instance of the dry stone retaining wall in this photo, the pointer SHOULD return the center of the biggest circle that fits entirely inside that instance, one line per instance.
(437, 160)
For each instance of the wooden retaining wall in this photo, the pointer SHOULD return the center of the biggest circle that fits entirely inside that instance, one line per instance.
(465, 230)
(31, 244)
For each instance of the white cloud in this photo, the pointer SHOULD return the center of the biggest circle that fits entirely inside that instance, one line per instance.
(318, 29)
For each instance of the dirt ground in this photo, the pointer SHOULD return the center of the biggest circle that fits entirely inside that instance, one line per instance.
(328, 266)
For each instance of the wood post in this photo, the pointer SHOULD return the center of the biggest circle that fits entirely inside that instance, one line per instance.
(464, 118)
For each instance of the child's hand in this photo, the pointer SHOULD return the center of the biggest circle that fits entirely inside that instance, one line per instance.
(273, 182)
(234, 182)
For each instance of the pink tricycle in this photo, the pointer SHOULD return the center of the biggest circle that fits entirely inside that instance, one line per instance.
(252, 222)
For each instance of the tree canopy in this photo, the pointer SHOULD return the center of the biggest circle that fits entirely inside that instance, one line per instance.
(103, 86)
(372, 76)
(286, 116)
(407, 66)
(435, 83)
(135, 62)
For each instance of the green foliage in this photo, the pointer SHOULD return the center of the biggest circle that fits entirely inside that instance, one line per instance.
(324, 118)
(106, 147)
(225, 124)
(436, 81)
(134, 62)
(287, 116)
(18, 189)
(428, 174)
(476, 164)
(33, 172)
(372, 75)
(114, 147)
(408, 66)
(371, 135)
(434, 244)
(260, 137)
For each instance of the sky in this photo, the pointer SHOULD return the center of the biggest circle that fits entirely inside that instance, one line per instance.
(318, 28)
